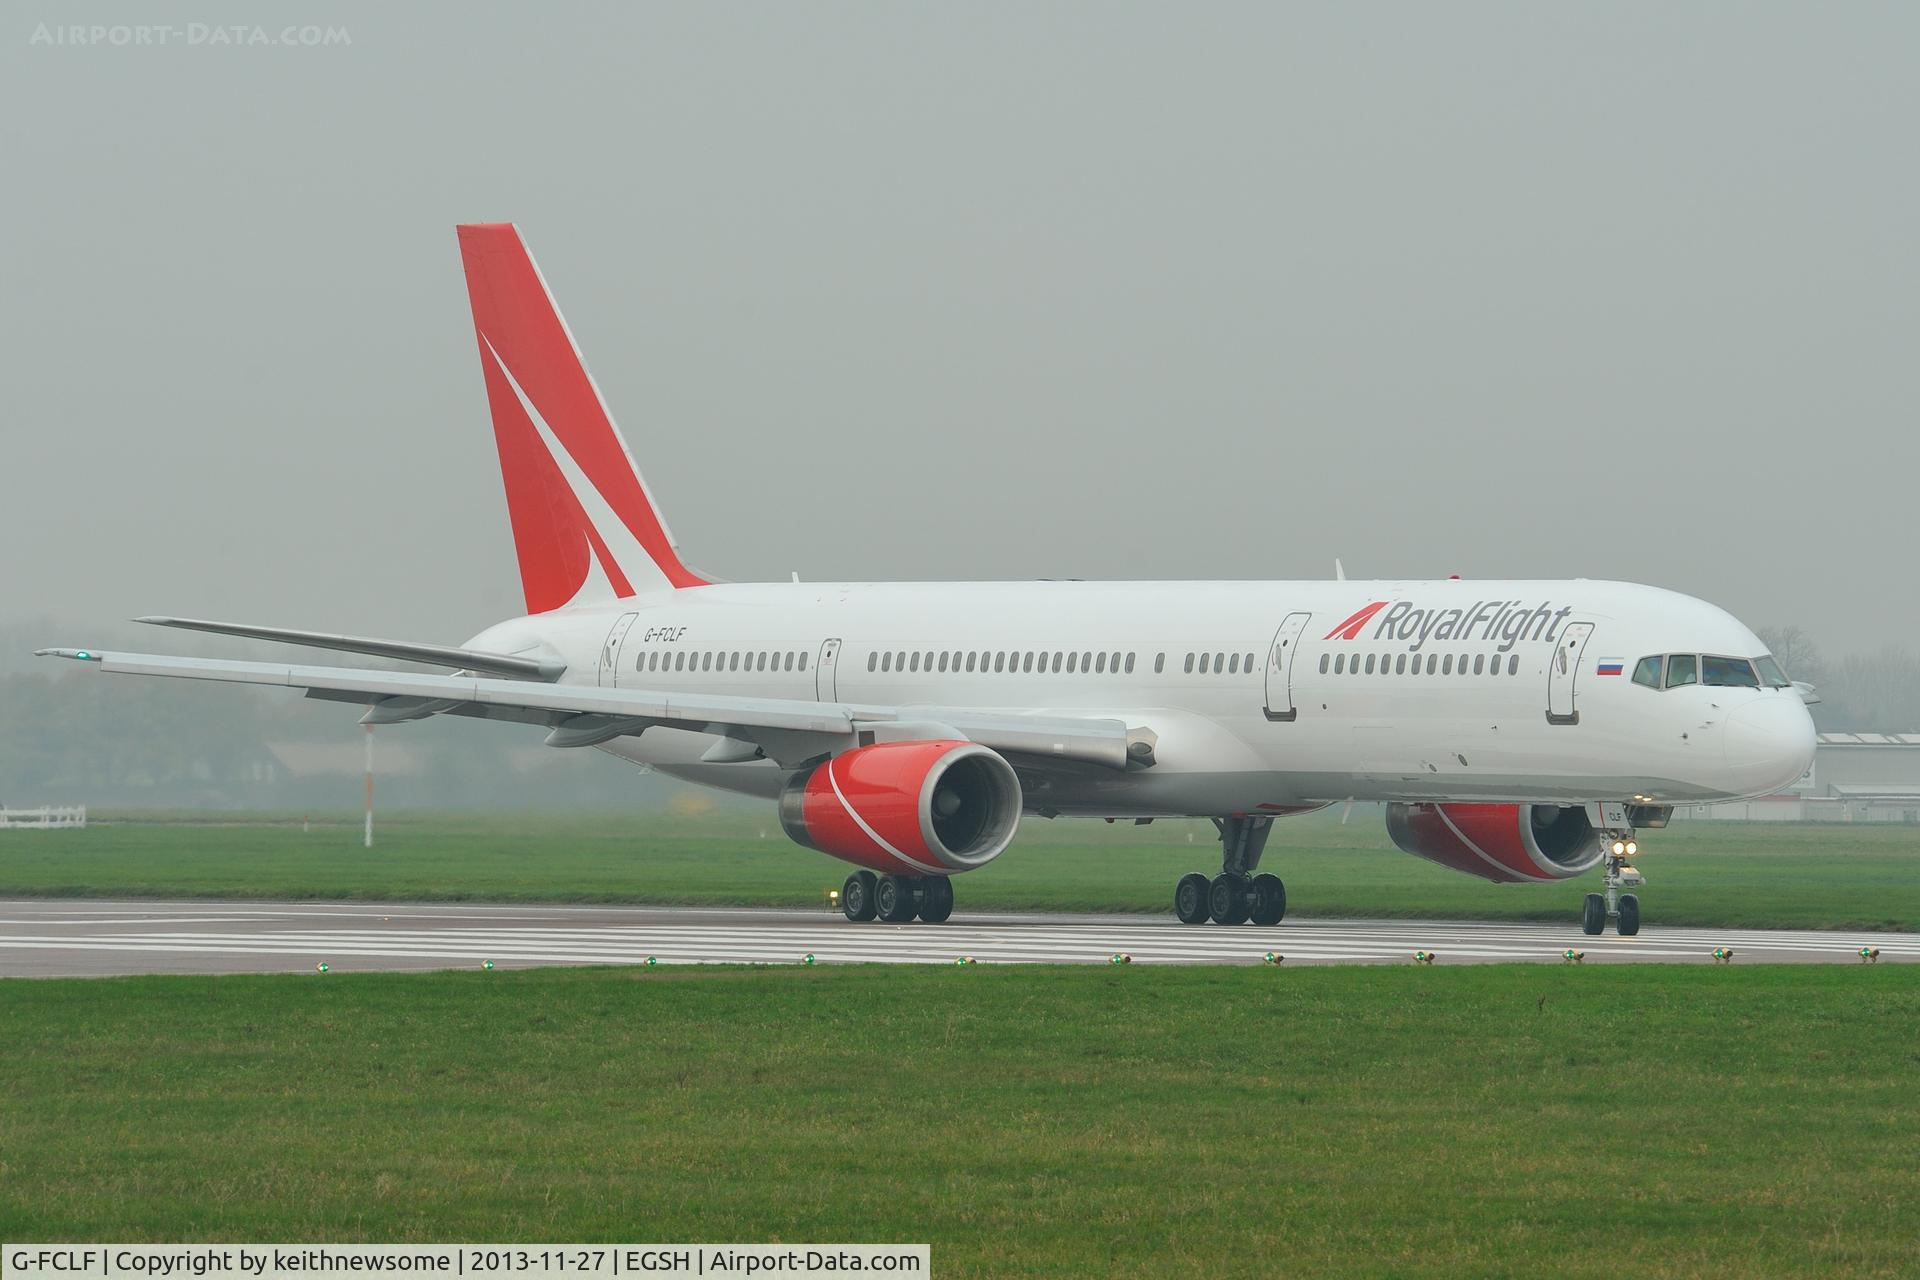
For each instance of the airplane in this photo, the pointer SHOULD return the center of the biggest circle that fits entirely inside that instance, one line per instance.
(1518, 731)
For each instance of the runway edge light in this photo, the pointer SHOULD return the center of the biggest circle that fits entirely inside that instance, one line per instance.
(1272, 957)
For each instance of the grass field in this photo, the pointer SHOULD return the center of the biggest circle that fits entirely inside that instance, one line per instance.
(1477, 1121)
(1722, 874)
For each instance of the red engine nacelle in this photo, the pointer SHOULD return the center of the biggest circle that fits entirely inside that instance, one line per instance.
(1507, 843)
(906, 808)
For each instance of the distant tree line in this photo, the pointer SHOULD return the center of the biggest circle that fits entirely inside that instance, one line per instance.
(1875, 692)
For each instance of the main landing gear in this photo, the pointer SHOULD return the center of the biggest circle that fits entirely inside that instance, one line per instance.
(1236, 895)
(896, 899)
(1622, 908)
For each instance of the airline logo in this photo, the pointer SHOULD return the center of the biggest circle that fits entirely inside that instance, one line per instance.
(1508, 621)
(1350, 629)
(584, 526)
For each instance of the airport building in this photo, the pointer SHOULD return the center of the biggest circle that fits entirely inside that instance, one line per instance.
(1855, 777)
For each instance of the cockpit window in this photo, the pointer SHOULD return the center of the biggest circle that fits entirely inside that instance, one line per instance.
(1770, 673)
(1735, 673)
(1647, 672)
(1682, 668)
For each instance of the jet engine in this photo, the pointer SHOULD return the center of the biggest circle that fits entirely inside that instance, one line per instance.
(1506, 843)
(931, 808)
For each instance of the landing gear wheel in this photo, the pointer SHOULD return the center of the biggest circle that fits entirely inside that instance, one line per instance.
(1593, 915)
(1190, 899)
(1269, 900)
(1629, 922)
(894, 899)
(936, 899)
(1229, 899)
(856, 895)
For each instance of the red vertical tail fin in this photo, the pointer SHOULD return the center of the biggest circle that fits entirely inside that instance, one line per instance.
(585, 528)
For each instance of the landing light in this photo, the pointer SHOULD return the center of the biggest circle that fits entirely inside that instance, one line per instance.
(1632, 848)
(1619, 847)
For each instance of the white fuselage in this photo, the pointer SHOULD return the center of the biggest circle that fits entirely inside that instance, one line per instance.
(1382, 691)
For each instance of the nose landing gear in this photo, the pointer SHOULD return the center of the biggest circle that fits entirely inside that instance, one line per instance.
(1622, 909)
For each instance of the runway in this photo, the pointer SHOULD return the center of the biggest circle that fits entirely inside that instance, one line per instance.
(62, 938)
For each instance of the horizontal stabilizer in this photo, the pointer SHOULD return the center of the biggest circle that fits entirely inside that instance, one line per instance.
(512, 666)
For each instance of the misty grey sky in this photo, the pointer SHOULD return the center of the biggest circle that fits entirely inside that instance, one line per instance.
(1011, 290)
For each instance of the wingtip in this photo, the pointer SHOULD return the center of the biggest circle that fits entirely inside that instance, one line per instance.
(78, 655)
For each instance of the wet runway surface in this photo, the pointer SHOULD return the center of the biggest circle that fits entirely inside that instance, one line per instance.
(54, 938)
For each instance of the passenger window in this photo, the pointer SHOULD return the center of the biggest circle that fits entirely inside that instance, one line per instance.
(1463, 664)
(1369, 664)
(1682, 668)
(1513, 665)
(1479, 663)
(1056, 661)
(1433, 663)
(1000, 660)
(1339, 664)
(1324, 660)
(1400, 665)
(1130, 664)
(1100, 664)
(913, 663)
(1446, 666)
(1204, 658)
(1647, 672)
(943, 660)
(1073, 663)
(1734, 673)
(1026, 662)
(1086, 662)
(803, 660)
(1189, 667)
(1219, 663)
(1233, 665)
(1249, 667)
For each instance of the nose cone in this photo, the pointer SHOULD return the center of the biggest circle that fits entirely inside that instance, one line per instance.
(1769, 743)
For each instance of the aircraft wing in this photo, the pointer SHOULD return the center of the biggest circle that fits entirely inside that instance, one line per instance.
(788, 731)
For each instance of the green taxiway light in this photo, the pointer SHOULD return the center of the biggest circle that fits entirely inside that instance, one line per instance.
(1272, 957)
(1573, 956)
(650, 962)
(807, 958)
(487, 965)
(321, 967)
(1120, 957)
(1869, 954)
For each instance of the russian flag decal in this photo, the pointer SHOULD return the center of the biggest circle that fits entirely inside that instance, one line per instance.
(1610, 666)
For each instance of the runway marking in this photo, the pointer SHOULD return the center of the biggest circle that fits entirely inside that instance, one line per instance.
(48, 937)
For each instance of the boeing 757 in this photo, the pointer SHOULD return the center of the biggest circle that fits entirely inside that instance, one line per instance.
(1519, 731)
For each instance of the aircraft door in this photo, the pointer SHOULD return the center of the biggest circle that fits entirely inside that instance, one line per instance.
(1286, 643)
(610, 651)
(824, 682)
(1563, 670)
